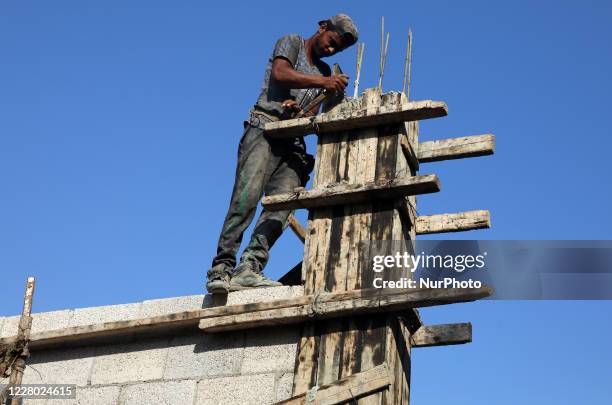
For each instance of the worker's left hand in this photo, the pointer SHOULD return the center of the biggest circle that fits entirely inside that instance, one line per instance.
(291, 105)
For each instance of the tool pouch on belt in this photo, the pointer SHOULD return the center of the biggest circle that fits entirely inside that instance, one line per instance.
(307, 162)
(298, 159)
(302, 162)
(258, 119)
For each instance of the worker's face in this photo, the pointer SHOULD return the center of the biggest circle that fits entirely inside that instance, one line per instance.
(328, 42)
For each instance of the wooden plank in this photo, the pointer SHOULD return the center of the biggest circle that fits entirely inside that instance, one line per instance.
(403, 348)
(403, 324)
(316, 254)
(352, 387)
(356, 119)
(456, 148)
(405, 233)
(342, 194)
(409, 150)
(457, 222)
(442, 335)
(334, 305)
(157, 325)
(335, 271)
(297, 228)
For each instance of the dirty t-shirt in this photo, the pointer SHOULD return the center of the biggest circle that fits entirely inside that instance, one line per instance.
(290, 47)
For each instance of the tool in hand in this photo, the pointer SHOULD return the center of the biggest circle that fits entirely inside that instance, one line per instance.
(325, 95)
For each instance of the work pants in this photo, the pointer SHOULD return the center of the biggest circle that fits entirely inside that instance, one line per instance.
(265, 166)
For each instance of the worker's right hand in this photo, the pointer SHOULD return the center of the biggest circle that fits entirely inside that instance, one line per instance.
(335, 83)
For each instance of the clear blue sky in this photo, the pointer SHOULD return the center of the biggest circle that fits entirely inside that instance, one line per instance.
(119, 124)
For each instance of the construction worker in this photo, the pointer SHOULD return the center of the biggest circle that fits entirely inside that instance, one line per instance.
(294, 76)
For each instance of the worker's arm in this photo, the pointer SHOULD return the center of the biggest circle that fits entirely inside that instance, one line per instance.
(283, 73)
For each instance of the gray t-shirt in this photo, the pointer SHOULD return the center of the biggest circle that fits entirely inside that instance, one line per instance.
(290, 47)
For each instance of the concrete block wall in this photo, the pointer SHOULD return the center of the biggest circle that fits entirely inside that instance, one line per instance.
(193, 368)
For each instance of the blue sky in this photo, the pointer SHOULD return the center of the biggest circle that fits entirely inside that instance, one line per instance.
(119, 124)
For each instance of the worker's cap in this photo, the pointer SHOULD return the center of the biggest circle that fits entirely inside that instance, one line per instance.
(343, 25)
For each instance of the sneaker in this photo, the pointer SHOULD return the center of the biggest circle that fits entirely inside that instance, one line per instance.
(218, 283)
(248, 278)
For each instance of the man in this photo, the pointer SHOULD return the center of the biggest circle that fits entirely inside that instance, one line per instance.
(295, 75)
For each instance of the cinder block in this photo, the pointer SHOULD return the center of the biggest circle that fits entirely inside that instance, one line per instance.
(172, 305)
(62, 366)
(255, 389)
(270, 349)
(110, 313)
(91, 396)
(41, 322)
(141, 361)
(264, 294)
(98, 395)
(166, 392)
(204, 355)
(284, 386)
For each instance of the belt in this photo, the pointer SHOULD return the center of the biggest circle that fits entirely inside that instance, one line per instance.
(259, 118)
(264, 114)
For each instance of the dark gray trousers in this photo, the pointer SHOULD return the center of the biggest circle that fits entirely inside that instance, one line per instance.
(269, 166)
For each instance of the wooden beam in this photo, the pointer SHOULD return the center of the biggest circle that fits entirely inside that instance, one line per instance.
(151, 326)
(442, 335)
(456, 148)
(409, 151)
(344, 390)
(340, 120)
(343, 194)
(335, 305)
(296, 227)
(111, 331)
(457, 222)
(188, 320)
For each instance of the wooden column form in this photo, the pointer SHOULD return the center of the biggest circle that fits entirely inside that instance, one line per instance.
(336, 253)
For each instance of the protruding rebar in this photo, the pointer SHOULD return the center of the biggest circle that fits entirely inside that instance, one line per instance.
(408, 66)
(382, 51)
(23, 334)
(360, 48)
(385, 50)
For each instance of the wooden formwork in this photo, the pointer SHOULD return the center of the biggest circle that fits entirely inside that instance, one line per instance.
(364, 193)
